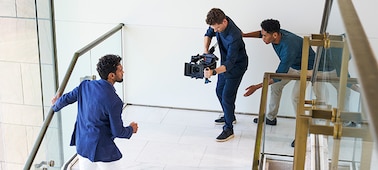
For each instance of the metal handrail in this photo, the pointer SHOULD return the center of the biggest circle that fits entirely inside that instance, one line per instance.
(323, 28)
(69, 162)
(367, 67)
(367, 70)
(257, 156)
(61, 88)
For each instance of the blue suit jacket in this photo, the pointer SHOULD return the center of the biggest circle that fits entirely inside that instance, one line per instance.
(98, 120)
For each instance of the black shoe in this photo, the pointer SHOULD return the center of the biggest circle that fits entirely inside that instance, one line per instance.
(225, 135)
(293, 143)
(267, 121)
(221, 121)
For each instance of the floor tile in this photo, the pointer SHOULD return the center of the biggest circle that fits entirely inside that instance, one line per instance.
(171, 139)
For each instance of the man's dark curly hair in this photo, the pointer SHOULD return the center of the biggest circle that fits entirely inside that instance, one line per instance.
(271, 26)
(108, 64)
(215, 16)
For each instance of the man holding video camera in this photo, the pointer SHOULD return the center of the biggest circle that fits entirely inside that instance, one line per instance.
(234, 63)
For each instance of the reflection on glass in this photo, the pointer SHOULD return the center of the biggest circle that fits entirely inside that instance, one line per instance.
(353, 149)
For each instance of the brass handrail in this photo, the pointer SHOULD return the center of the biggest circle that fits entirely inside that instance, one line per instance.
(302, 123)
(62, 86)
(367, 67)
(256, 162)
(68, 163)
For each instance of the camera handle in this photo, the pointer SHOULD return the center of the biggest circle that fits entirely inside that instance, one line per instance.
(211, 51)
(206, 79)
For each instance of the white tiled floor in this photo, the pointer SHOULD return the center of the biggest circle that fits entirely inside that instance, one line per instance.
(172, 139)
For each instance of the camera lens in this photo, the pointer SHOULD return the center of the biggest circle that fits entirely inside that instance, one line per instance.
(196, 69)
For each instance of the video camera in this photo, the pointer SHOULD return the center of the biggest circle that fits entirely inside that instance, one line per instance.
(195, 68)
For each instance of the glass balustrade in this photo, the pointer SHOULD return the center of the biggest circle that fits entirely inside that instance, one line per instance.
(331, 126)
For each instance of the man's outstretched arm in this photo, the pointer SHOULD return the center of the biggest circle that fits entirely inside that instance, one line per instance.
(252, 88)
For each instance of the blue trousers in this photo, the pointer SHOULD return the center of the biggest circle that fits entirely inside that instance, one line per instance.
(226, 92)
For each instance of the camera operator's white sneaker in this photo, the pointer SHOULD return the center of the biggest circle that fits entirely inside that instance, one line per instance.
(221, 121)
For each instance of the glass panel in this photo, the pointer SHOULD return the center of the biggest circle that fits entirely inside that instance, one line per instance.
(354, 150)
(55, 146)
(55, 150)
(112, 45)
(86, 68)
(49, 152)
(51, 149)
(337, 87)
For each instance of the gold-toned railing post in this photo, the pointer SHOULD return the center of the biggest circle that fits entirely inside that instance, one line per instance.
(261, 123)
(341, 107)
(302, 125)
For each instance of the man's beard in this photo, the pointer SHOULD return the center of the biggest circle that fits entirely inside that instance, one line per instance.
(119, 81)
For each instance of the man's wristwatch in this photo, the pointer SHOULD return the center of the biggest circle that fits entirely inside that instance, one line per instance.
(214, 72)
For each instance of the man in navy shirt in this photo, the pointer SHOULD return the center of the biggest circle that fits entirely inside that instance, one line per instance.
(234, 62)
(288, 48)
(98, 119)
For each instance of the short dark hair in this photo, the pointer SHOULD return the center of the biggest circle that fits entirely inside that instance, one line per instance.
(271, 25)
(108, 64)
(215, 16)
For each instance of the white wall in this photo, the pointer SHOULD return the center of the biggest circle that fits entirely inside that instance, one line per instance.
(169, 33)
(160, 36)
